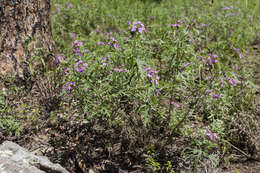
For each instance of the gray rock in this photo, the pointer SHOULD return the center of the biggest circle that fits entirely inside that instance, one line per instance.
(15, 159)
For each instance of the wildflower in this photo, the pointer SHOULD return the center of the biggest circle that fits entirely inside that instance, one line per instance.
(152, 18)
(152, 75)
(176, 25)
(68, 87)
(232, 81)
(76, 43)
(116, 46)
(212, 136)
(225, 8)
(66, 71)
(70, 5)
(214, 56)
(58, 58)
(118, 70)
(101, 43)
(216, 96)
(209, 61)
(137, 26)
(236, 49)
(175, 104)
(187, 64)
(208, 91)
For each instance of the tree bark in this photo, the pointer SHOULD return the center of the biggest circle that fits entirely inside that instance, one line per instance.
(25, 32)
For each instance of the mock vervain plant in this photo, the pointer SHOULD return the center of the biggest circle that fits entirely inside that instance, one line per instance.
(162, 65)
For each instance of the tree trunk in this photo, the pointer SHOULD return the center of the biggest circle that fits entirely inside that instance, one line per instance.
(25, 32)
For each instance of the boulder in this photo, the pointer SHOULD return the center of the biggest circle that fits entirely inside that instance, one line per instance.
(16, 159)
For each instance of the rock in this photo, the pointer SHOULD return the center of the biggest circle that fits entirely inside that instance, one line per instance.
(15, 159)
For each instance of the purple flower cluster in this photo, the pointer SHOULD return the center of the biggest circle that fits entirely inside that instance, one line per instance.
(66, 71)
(213, 95)
(212, 136)
(137, 27)
(232, 81)
(175, 104)
(178, 24)
(112, 41)
(216, 96)
(70, 5)
(59, 59)
(212, 59)
(69, 85)
(80, 66)
(152, 74)
(104, 61)
(76, 45)
(121, 69)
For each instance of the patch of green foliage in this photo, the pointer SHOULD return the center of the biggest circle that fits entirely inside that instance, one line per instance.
(10, 125)
(171, 63)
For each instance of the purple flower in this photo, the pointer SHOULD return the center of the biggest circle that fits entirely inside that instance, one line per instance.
(225, 8)
(175, 104)
(208, 91)
(101, 43)
(187, 64)
(82, 69)
(209, 61)
(176, 25)
(216, 96)
(152, 18)
(76, 43)
(58, 9)
(232, 81)
(70, 5)
(58, 58)
(66, 71)
(212, 136)
(209, 135)
(137, 26)
(68, 87)
(118, 70)
(133, 28)
(151, 74)
(116, 47)
(214, 56)
(236, 49)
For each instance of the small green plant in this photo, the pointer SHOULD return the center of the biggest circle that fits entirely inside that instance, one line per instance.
(152, 162)
(10, 125)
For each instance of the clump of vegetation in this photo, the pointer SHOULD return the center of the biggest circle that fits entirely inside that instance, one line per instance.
(167, 80)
